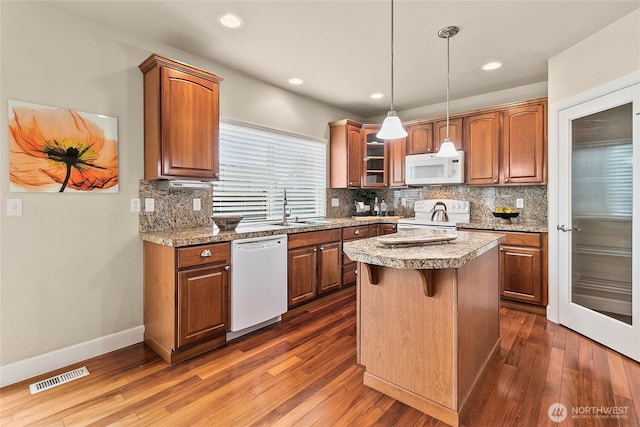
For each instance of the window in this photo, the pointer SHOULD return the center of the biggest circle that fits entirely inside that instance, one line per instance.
(258, 164)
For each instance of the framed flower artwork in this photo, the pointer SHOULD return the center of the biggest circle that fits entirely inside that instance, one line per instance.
(60, 150)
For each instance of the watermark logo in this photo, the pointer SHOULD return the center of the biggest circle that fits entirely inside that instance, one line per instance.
(557, 412)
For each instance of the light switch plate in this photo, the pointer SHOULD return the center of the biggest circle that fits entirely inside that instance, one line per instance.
(197, 205)
(14, 207)
(335, 202)
(519, 203)
(149, 204)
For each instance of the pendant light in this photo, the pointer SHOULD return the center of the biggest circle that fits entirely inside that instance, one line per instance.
(447, 149)
(391, 126)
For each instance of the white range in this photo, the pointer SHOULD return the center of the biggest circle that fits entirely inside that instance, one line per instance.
(456, 210)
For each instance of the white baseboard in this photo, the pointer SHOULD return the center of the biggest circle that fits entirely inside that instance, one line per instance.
(38, 365)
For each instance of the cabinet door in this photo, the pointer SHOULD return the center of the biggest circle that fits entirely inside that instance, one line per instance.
(329, 266)
(354, 156)
(482, 148)
(523, 145)
(388, 228)
(203, 303)
(374, 163)
(302, 274)
(520, 273)
(420, 138)
(397, 155)
(189, 126)
(455, 133)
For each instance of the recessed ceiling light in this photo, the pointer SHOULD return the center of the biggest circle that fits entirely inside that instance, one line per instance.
(491, 66)
(230, 20)
(376, 95)
(295, 81)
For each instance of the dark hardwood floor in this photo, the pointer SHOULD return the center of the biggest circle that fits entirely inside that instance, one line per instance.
(303, 372)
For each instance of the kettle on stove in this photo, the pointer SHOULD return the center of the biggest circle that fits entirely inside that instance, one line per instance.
(439, 213)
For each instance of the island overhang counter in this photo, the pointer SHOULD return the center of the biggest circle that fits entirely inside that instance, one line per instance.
(428, 319)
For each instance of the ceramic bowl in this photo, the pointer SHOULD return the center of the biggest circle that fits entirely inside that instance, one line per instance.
(227, 222)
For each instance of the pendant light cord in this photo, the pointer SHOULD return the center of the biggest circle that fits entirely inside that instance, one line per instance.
(392, 55)
(448, 87)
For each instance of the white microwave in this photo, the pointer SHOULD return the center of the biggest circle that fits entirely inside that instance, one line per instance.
(424, 169)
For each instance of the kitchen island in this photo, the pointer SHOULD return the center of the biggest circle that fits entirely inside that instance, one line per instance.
(428, 319)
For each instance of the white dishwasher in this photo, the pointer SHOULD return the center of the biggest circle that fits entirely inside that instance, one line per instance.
(258, 283)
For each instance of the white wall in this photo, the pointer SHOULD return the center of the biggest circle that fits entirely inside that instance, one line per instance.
(71, 267)
(606, 61)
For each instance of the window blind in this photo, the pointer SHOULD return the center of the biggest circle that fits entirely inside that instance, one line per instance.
(256, 166)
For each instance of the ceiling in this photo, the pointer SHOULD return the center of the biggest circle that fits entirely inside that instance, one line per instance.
(342, 49)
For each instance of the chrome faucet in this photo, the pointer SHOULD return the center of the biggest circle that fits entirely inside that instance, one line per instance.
(285, 214)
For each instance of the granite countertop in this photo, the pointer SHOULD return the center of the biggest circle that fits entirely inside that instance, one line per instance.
(528, 227)
(198, 236)
(452, 254)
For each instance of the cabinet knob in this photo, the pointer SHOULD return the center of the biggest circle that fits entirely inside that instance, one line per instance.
(205, 253)
(226, 267)
(506, 180)
(315, 249)
(322, 248)
(495, 181)
(217, 174)
(356, 232)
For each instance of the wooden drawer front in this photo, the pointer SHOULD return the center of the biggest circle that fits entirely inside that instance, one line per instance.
(359, 232)
(523, 239)
(346, 260)
(203, 254)
(300, 240)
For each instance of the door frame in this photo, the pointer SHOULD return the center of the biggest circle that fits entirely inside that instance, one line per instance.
(555, 153)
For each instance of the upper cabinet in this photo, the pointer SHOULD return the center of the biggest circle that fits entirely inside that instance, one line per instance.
(507, 146)
(420, 138)
(455, 133)
(397, 150)
(482, 148)
(524, 145)
(345, 154)
(374, 161)
(181, 120)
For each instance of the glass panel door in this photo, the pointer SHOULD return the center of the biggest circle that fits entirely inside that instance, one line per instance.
(602, 211)
(598, 238)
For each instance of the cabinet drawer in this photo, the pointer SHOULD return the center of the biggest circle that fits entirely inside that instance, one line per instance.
(349, 274)
(523, 239)
(300, 240)
(359, 232)
(203, 254)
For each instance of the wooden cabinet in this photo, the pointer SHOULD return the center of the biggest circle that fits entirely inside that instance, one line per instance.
(482, 148)
(455, 133)
(397, 155)
(507, 146)
(374, 161)
(181, 120)
(524, 145)
(349, 268)
(387, 228)
(420, 138)
(186, 298)
(523, 270)
(345, 154)
(314, 264)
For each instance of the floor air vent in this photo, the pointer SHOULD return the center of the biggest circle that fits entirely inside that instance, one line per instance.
(58, 380)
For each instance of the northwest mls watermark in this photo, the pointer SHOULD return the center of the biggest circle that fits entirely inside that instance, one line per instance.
(558, 412)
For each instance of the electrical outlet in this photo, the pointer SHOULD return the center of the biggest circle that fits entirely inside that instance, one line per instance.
(335, 202)
(197, 205)
(135, 205)
(14, 207)
(149, 204)
(403, 202)
(519, 203)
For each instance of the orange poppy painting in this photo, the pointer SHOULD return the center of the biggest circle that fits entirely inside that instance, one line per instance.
(61, 150)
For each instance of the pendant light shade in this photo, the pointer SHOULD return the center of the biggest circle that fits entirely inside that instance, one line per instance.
(447, 149)
(391, 126)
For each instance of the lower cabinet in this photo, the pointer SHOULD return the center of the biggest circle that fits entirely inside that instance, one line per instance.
(349, 273)
(523, 270)
(388, 228)
(313, 264)
(186, 298)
